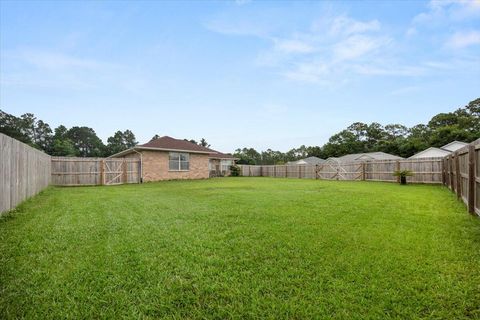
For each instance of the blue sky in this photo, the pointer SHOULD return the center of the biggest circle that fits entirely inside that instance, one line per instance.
(239, 73)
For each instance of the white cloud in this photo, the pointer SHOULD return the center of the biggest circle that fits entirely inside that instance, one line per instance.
(320, 54)
(357, 46)
(339, 48)
(273, 110)
(293, 46)
(383, 70)
(405, 90)
(56, 60)
(464, 39)
(313, 72)
(38, 67)
(411, 32)
(443, 12)
(242, 2)
(344, 25)
(256, 25)
(438, 65)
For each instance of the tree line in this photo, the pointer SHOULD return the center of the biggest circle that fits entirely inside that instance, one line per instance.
(62, 141)
(462, 124)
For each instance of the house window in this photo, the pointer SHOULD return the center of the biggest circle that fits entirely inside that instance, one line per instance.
(225, 165)
(211, 165)
(178, 161)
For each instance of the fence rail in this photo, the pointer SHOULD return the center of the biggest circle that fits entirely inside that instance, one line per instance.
(24, 171)
(68, 171)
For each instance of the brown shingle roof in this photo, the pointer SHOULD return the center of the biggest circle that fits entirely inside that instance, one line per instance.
(169, 143)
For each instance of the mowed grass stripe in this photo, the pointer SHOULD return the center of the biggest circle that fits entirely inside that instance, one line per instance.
(241, 248)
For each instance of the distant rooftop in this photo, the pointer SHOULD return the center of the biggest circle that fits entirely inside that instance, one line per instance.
(366, 156)
(454, 146)
(309, 160)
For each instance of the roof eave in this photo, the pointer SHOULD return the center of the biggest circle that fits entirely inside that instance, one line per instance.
(124, 152)
(171, 149)
(121, 153)
(224, 158)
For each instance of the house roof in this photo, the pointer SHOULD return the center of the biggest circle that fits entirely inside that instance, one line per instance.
(366, 156)
(431, 149)
(444, 150)
(167, 143)
(309, 160)
(454, 145)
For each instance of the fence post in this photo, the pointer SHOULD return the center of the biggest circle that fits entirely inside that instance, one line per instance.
(286, 171)
(124, 173)
(261, 171)
(140, 171)
(249, 170)
(444, 177)
(102, 172)
(458, 176)
(316, 172)
(445, 163)
(397, 168)
(471, 179)
(299, 171)
(363, 170)
(450, 168)
(274, 171)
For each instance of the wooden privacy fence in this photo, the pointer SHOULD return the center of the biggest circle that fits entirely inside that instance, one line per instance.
(461, 174)
(68, 171)
(427, 170)
(24, 171)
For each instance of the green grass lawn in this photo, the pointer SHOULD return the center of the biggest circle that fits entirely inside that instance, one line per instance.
(241, 248)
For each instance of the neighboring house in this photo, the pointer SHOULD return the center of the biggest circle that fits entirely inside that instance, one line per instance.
(365, 157)
(454, 146)
(309, 160)
(443, 151)
(167, 158)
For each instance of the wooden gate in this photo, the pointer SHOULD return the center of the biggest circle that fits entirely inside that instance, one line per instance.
(114, 171)
(335, 170)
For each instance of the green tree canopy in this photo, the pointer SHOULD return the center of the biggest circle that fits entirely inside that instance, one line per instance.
(120, 141)
(86, 142)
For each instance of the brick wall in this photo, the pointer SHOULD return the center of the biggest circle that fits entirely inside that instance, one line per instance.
(155, 166)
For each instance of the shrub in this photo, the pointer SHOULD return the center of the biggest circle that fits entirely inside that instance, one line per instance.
(234, 170)
(403, 174)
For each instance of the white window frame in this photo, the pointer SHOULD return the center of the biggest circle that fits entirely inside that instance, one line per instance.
(211, 165)
(177, 156)
(225, 164)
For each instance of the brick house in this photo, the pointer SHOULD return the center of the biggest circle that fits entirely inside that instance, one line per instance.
(167, 158)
